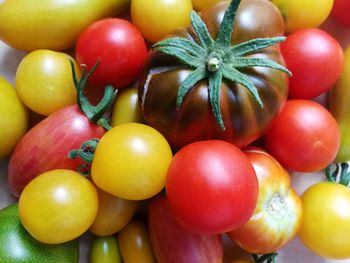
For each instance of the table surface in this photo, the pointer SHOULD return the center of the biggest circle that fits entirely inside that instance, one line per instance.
(294, 252)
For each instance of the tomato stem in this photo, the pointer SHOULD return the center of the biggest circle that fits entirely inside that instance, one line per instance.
(338, 173)
(96, 114)
(86, 152)
(267, 258)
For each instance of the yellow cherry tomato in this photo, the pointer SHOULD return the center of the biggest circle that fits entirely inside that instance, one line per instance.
(135, 244)
(105, 250)
(113, 214)
(13, 118)
(44, 81)
(201, 4)
(303, 13)
(325, 227)
(131, 161)
(58, 206)
(126, 107)
(51, 24)
(157, 18)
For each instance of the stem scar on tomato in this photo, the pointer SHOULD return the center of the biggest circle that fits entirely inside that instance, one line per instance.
(217, 59)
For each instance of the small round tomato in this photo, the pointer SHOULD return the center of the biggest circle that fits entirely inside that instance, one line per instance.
(304, 137)
(113, 214)
(13, 118)
(131, 161)
(211, 187)
(303, 13)
(201, 4)
(277, 216)
(118, 45)
(58, 206)
(105, 250)
(126, 107)
(135, 245)
(157, 18)
(306, 52)
(325, 224)
(340, 12)
(44, 81)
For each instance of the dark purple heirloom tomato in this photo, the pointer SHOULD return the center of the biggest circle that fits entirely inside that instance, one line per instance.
(221, 78)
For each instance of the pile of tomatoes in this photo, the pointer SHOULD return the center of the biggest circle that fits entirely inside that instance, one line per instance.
(162, 131)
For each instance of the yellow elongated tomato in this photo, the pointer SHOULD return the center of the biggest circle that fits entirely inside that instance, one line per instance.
(13, 118)
(44, 81)
(299, 14)
(113, 214)
(126, 107)
(105, 250)
(131, 161)
(277, 216)
(51, 24)
(201, 4)
(157, 18)
(58, 206)
(135, 244)
(325, 227)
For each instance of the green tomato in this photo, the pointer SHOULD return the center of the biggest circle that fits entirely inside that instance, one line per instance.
(51, 24)
(17, 245)
(105, 250)
(44, 81)
(13, 118)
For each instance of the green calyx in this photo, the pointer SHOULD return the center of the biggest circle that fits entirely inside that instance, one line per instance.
(95, 114)
(338, 173)
(217, 59)
(267, 258)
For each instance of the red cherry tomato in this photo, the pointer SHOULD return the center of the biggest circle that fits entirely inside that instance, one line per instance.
(120, 47)
(340, 12)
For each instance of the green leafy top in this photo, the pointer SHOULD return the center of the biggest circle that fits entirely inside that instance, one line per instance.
(217, 59)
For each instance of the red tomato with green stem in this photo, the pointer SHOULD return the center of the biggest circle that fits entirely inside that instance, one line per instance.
(316, 60)
(211, 187)
(46, 146)
(304, 137)
(120, 47)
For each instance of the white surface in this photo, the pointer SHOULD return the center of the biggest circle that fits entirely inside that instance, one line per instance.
(294, 252)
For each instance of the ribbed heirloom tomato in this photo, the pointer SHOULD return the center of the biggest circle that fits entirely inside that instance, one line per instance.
(197, 88)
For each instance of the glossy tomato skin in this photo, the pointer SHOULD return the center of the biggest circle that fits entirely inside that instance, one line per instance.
(325, 225)
(105, 250)
(201, 4)
(211, 187)
(305, 136)
(58, 206)
(306, 53)
(120, 47)
(340, 12)
(277, 216)
(46, 146)
(244, 120)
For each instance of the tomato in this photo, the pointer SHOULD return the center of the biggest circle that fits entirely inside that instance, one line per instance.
(243, 119)
(131, 161)
(58, 206)
(44, 81)
(277, 216)
(51, 24)
(13, 118)
(17, 245)
(113, 214)
(126, 107)
(306, 52)
(304, 13)
(339, 100)
(201, 4)
(105, 250)
(123, 54)
(211, 187)
(157, 18)
(176, 244)
(325, 224)
(305, 137)
(340, 12)
(134, 243)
